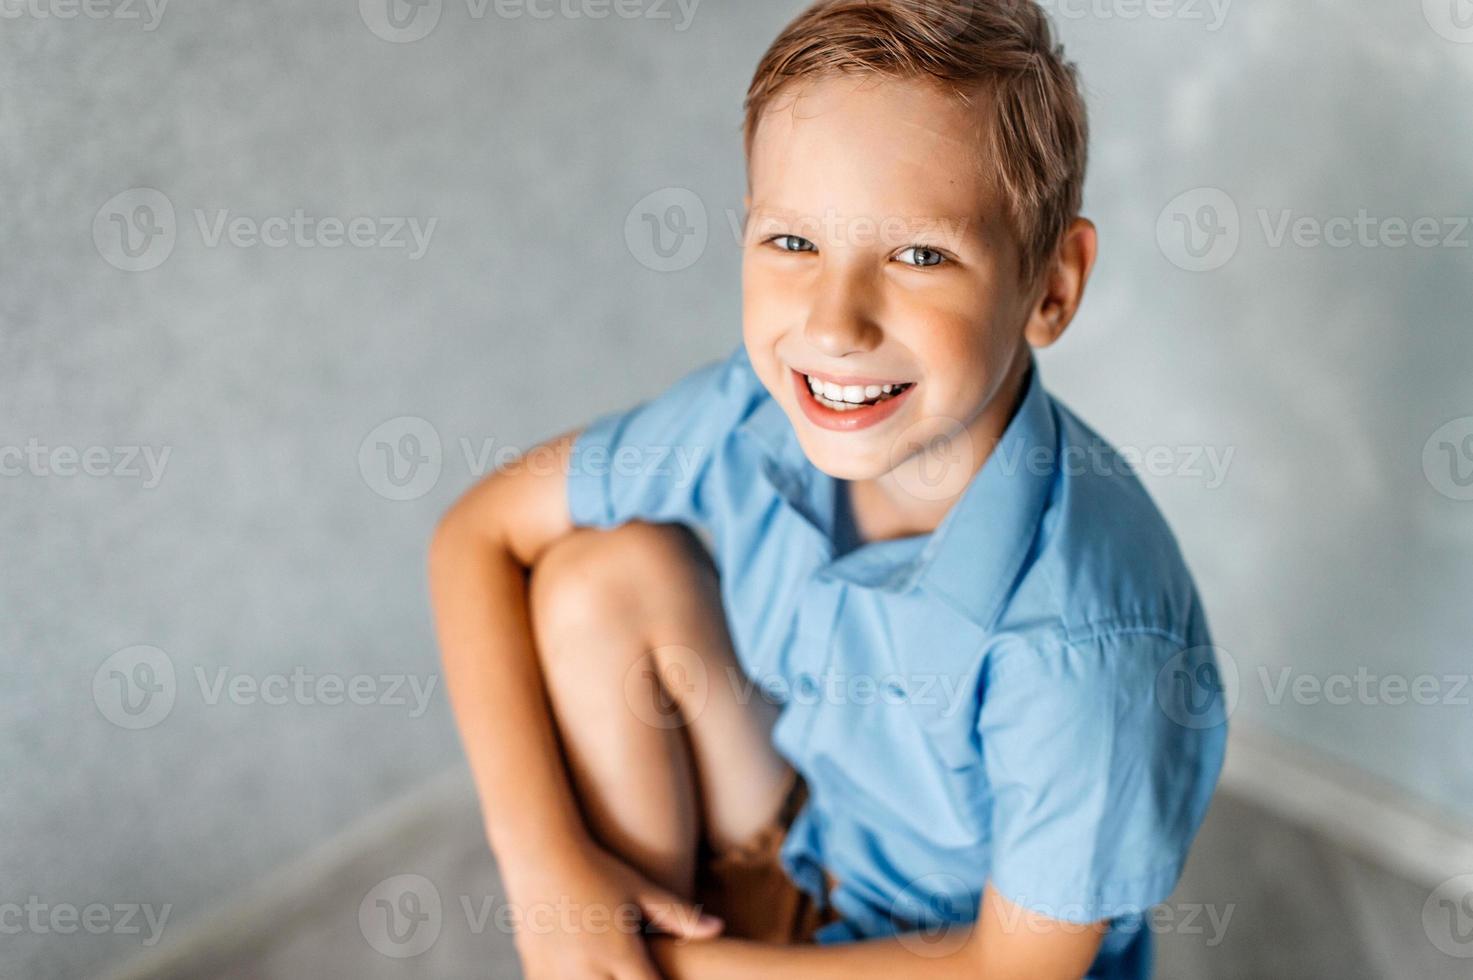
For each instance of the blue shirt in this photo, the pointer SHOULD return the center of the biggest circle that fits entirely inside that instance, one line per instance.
(1026, 695)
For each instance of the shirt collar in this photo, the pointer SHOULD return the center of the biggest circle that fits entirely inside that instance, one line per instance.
(973, 558)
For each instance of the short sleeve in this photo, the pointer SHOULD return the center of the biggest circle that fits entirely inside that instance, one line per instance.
(651, 462)
(1098, 786)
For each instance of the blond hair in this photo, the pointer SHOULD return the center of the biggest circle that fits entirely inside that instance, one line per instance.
(1003, 49)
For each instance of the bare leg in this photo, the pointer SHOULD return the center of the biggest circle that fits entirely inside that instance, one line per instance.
(662, 743)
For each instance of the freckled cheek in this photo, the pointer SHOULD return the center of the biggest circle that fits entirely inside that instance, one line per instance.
(767, 316)
(771, 304)
(954, 351)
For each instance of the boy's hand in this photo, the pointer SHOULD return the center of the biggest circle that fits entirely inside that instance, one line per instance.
(583, 919)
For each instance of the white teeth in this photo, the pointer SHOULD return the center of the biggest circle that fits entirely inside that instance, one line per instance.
(844, 398)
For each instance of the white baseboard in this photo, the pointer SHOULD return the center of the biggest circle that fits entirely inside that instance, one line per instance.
(263, 910)
(1345, 805)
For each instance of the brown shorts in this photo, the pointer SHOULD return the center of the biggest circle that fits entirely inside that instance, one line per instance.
(748, 889)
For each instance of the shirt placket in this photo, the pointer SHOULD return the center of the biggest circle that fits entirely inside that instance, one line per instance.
(816, 637)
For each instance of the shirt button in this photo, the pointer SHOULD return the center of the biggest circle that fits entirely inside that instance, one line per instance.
(807, 685)
(896, 690)
(772, 690)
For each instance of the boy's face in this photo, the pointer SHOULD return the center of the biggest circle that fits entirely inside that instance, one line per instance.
(876, 254)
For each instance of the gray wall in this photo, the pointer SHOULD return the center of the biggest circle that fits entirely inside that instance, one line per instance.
(1329, 551)
(271, 543)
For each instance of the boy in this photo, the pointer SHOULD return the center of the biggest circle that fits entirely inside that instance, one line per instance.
(907, 722)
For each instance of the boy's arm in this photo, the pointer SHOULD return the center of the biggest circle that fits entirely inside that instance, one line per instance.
(479, 558)
(478, 562)
(1006, 942)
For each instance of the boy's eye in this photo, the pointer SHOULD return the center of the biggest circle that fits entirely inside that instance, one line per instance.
(793, 243)
(920, 256)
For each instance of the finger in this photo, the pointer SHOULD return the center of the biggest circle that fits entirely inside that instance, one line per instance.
(672, 915)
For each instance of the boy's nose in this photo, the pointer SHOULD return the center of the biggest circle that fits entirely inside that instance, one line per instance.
(840, 321)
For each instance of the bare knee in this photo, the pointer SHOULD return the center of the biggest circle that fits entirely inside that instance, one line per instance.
(614, 580)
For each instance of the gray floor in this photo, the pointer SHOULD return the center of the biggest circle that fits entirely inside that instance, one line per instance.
(1260, 899)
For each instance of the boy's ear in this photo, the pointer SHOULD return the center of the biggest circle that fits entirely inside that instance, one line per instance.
(1062, 288)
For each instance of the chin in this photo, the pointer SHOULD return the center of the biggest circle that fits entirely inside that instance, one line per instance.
(841, 461)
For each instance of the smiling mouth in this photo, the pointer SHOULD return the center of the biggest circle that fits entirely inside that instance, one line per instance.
(848, 398)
